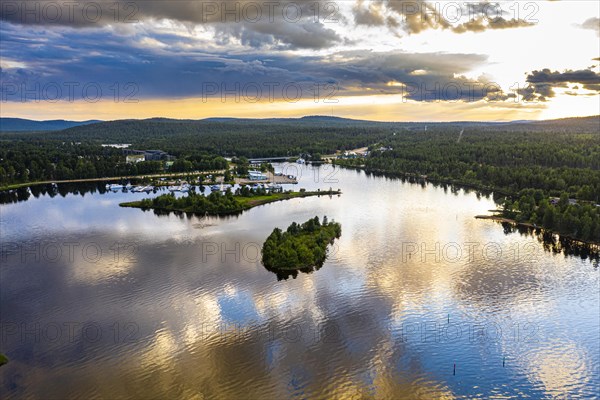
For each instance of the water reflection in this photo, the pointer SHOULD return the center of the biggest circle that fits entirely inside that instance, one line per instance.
(185, 307)
(285, 274)
(555, 243)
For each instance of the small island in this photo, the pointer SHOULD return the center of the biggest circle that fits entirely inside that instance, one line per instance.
(302, 247)
(218, 203)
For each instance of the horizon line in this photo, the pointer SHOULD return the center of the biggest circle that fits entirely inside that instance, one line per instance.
(302, 117)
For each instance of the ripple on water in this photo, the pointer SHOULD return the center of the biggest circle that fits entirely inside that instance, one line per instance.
(366, 325)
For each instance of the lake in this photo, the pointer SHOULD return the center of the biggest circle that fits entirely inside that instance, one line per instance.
(417, 299)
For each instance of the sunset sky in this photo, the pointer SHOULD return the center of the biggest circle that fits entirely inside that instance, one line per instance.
(382, 60)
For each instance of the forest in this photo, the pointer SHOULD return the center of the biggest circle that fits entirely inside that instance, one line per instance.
(78, 153)
(301, 245)
(563, 215)
(34, 160)
(508, 161)
(555, 162)
(551, 155)
(559, 158)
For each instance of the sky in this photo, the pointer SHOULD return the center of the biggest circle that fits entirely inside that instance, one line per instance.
(388, 60)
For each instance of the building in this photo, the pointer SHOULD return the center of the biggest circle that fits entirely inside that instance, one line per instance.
(256, 176)
(134, 158)
(148, 155)
(156, 155)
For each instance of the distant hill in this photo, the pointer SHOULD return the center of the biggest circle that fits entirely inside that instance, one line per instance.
(591, 124)
(25, 125)
(166, 126)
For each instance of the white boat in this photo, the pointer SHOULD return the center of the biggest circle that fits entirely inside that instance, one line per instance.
(115, 187)
(183, 188)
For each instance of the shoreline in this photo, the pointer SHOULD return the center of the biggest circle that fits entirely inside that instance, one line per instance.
(501, 219)
(477, 188)
(109, 179)
(427, 178)
(272, 178)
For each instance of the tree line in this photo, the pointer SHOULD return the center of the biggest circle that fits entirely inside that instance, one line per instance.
(24, 160)
(564, 215)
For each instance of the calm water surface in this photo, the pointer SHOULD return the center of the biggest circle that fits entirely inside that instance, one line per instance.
(418, 299)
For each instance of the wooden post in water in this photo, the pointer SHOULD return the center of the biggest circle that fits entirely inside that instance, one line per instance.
(454, 371)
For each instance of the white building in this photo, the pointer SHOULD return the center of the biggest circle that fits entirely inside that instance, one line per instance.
(256, 176)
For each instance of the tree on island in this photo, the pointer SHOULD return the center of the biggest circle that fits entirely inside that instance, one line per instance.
(301, 246)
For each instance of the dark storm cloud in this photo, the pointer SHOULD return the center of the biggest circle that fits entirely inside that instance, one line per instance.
(282, 23)
(542, 83)
(307, 35)
(104, 12)
(287, 24)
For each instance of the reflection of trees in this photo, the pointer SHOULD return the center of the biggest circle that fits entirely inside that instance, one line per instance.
(285, 274)
(508, 278)
(61, 189)
(199, 217)
(555, 243)
(14, 196)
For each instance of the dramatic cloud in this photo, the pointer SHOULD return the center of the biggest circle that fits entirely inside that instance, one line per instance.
(173, 69)
(542, 83)
(280, 24)
(370, 14)
(248, 51)
(481, 24)
(283, 23)
(416, 16)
